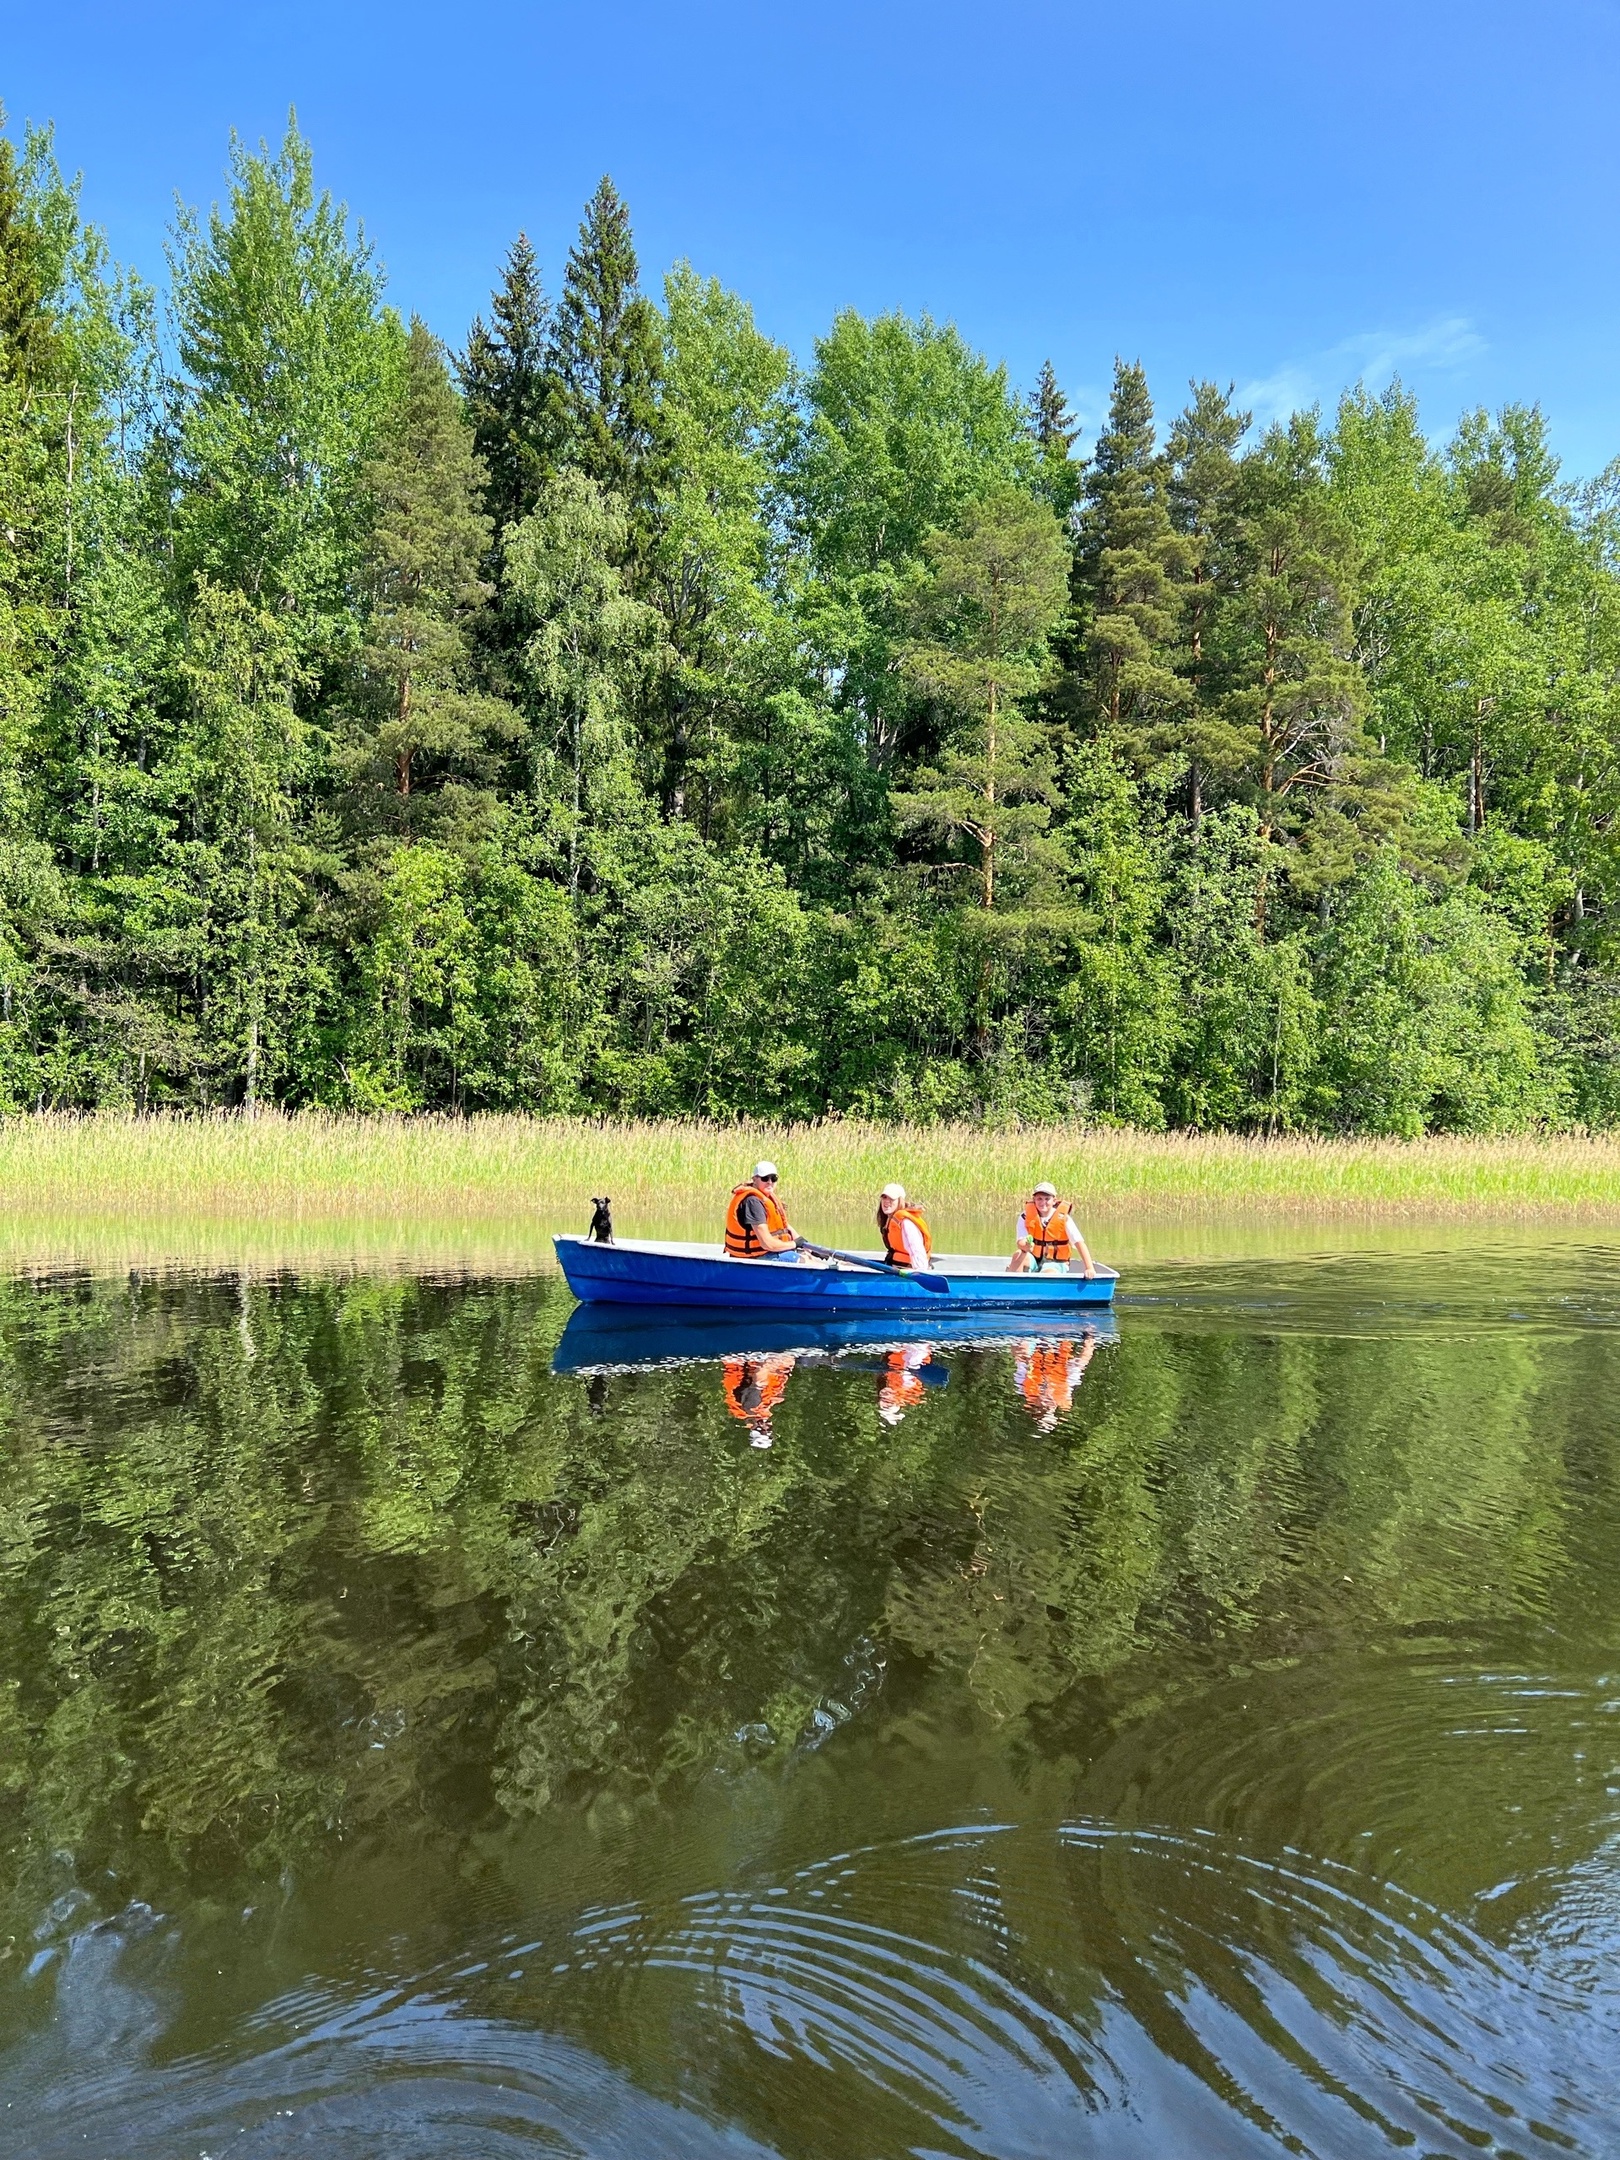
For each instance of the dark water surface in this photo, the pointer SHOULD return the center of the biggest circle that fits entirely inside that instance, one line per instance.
(407, 1749)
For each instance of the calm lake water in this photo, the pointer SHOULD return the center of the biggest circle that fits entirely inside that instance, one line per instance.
(421, 1736)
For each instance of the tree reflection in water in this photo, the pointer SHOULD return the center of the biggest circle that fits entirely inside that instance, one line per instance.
(299, 1577)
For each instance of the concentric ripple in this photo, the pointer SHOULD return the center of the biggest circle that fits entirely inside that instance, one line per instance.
(992, 1990)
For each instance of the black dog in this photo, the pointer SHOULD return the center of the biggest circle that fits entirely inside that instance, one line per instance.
(601, 1230)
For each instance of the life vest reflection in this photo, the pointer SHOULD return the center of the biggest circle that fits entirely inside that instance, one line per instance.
(753, 1386)
(1046, 1374)
(902, 1385)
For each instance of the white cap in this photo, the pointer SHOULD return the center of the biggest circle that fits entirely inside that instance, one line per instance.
(1044, 1187)
(892, 1192)
(766, 1169)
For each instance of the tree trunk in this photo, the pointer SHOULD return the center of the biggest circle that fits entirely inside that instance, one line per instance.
(1476, 776)
(402, 758)
(989, 847)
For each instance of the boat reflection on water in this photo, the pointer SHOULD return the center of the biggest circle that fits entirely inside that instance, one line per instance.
(758, 1353)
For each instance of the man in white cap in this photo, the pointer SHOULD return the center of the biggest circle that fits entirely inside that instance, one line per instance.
(1048, 1236)
(756, 1226)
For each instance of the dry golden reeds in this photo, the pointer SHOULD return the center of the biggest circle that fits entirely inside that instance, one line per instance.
(430, 1188)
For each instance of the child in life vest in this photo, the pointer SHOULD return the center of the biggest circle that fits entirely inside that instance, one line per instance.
(1048, 1236)
(907, 1239)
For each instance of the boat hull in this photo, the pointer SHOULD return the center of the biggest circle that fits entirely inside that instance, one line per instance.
(640, 1273)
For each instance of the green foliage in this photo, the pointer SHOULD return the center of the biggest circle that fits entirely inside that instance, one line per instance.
(994, 594)
(651, 728)
(1056, 431)
(1250, 1021)
(904, 426)
(590, 647)
(288, 366)
(510, 391)
(605, 359)
(1130, 565)
(419, 719)
(1433, 1026)
(718, 568)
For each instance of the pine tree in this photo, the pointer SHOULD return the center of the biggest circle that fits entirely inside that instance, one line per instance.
(997, 589)
(1128, 571)
(427, 542)
(508, 389)
(605, 354)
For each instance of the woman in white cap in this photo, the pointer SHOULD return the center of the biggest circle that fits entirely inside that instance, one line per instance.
(1048, 1235)
(757, 1227)
(904, 1230)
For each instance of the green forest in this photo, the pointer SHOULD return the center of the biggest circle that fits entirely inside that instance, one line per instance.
(621, 715)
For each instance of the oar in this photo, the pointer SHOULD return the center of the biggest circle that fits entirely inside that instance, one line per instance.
(939, 1284)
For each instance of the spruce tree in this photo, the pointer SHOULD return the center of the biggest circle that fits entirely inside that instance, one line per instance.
(506, 383)
(427, 543)
(605, 358)
(1056, 432)
(1203, 480)
(591, 649)
(1129, 566)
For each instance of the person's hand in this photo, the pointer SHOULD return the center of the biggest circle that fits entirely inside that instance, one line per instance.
(800, 1244)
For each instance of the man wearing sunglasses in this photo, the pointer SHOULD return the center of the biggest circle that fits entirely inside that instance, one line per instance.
(756, 1226)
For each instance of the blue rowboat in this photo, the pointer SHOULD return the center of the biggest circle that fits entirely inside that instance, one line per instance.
(639, 1271)
(615, 1338)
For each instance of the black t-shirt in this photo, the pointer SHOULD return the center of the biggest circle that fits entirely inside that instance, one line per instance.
(752, 1211)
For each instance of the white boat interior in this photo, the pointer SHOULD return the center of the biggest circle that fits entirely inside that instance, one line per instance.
(966, 1264)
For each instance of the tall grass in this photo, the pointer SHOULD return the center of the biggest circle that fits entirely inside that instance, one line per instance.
(429, 1186)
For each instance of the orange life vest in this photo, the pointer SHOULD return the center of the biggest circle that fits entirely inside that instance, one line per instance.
(742, 1240)
(1049, 1240)
(902, 1389)
(753, 1387)
(894, 1237)
(1046, 1383)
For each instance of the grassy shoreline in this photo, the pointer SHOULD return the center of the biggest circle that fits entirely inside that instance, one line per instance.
(530, 1174)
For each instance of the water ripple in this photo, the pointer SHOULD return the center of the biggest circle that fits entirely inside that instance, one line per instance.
(991, 1990)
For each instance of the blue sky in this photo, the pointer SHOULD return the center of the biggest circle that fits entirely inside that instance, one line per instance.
(1286, 196)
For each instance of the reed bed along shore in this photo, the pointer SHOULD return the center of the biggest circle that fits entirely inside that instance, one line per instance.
(524, 1176)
